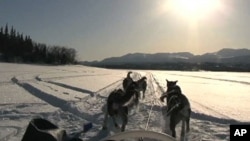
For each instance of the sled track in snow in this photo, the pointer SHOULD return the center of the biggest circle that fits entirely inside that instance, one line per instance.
(6, 83)
(106, 87)
(224, 120)
(15, 132)
(218, 79)
(53, 100)
(38, 78)
(50, 99)
(66, 77)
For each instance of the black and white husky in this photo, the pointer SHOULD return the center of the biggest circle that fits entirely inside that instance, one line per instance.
(178, 108)
(118, 103)
(142, 83)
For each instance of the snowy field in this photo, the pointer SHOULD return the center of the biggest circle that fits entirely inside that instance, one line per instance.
(69, 96)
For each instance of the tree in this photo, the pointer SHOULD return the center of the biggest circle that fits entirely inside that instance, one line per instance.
(1, 39)
(17, 47)
(6, 30)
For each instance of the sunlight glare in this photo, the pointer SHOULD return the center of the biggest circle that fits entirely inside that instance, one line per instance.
(194, 9)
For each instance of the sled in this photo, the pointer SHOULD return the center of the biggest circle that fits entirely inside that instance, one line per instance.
(43, 130)
(139, 134)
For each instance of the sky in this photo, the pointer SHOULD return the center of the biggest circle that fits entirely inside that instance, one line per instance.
(98, 29)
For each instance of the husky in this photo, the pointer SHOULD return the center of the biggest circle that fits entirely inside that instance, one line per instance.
(118, 103)
(178, 108)
(128, 80)
(142, 84)
(172, 89)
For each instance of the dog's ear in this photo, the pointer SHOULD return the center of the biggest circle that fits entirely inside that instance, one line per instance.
(167, 80)
(175, 81)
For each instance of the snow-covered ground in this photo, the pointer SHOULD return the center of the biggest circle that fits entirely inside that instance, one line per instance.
(69, 96)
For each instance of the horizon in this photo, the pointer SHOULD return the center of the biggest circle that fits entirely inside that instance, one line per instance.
(103, 29)
(164, 52)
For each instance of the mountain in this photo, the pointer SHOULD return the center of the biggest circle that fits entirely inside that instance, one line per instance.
(221, 56)
(233, 58)
(226, 55)
(148, 58)
(229, 53)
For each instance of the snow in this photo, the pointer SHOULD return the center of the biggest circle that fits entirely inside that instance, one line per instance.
(71, 95)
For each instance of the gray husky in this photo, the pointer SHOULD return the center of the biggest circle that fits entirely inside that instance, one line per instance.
(178, 108)
(118, 102)
(142, 84)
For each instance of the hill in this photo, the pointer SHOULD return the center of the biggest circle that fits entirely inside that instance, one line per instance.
(223, 60)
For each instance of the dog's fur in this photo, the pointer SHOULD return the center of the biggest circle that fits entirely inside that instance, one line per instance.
(178, 108)
(172, 89)
(142, 84)
(118, 102)
(126, 82)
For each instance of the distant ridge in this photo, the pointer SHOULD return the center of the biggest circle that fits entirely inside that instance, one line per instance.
(152, 58)
(228, 56)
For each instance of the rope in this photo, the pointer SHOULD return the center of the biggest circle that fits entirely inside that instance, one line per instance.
(149, 115)
(153, 101)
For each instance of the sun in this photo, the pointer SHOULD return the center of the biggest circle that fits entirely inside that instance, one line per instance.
(193, 9)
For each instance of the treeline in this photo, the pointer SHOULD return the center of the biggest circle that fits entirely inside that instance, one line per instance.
(15, 47)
